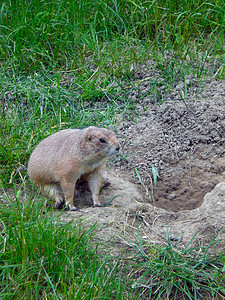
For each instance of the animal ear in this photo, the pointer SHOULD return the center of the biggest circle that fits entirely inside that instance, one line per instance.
(89, 137)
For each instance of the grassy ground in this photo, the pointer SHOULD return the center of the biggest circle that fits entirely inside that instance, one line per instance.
(72, 64)
(43, 257)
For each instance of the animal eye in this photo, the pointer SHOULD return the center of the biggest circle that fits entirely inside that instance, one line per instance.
(102, 140)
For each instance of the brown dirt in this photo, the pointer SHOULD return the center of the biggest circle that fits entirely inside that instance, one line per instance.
(185, 142)
(128, 218)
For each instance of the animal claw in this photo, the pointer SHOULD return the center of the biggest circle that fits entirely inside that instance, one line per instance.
(67, 208)
(59, 205)
(97, 205)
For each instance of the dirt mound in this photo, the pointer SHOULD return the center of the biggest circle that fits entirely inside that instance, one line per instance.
(126, 217)
(184, 141)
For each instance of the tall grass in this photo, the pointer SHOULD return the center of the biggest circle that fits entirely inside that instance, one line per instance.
(39, 34)
(45, 258)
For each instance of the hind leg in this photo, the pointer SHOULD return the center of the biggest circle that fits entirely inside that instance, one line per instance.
(54, 191)
(68, 188)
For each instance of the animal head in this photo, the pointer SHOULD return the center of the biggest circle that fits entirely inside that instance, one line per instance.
(102, 140)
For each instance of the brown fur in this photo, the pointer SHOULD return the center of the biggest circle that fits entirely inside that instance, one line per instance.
(65, 156)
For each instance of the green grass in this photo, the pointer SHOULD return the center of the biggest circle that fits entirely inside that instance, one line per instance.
(72, 64)
(55, 33)
(44, 257)
(175, 272)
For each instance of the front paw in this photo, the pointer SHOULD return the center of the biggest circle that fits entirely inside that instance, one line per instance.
(97, 205)
(71, 208)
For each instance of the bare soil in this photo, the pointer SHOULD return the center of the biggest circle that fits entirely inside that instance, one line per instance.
(185, 142)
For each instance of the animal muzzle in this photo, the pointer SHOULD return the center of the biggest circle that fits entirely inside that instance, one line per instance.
(114, 150)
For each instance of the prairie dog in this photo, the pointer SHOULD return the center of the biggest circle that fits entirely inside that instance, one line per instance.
(67, 155)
